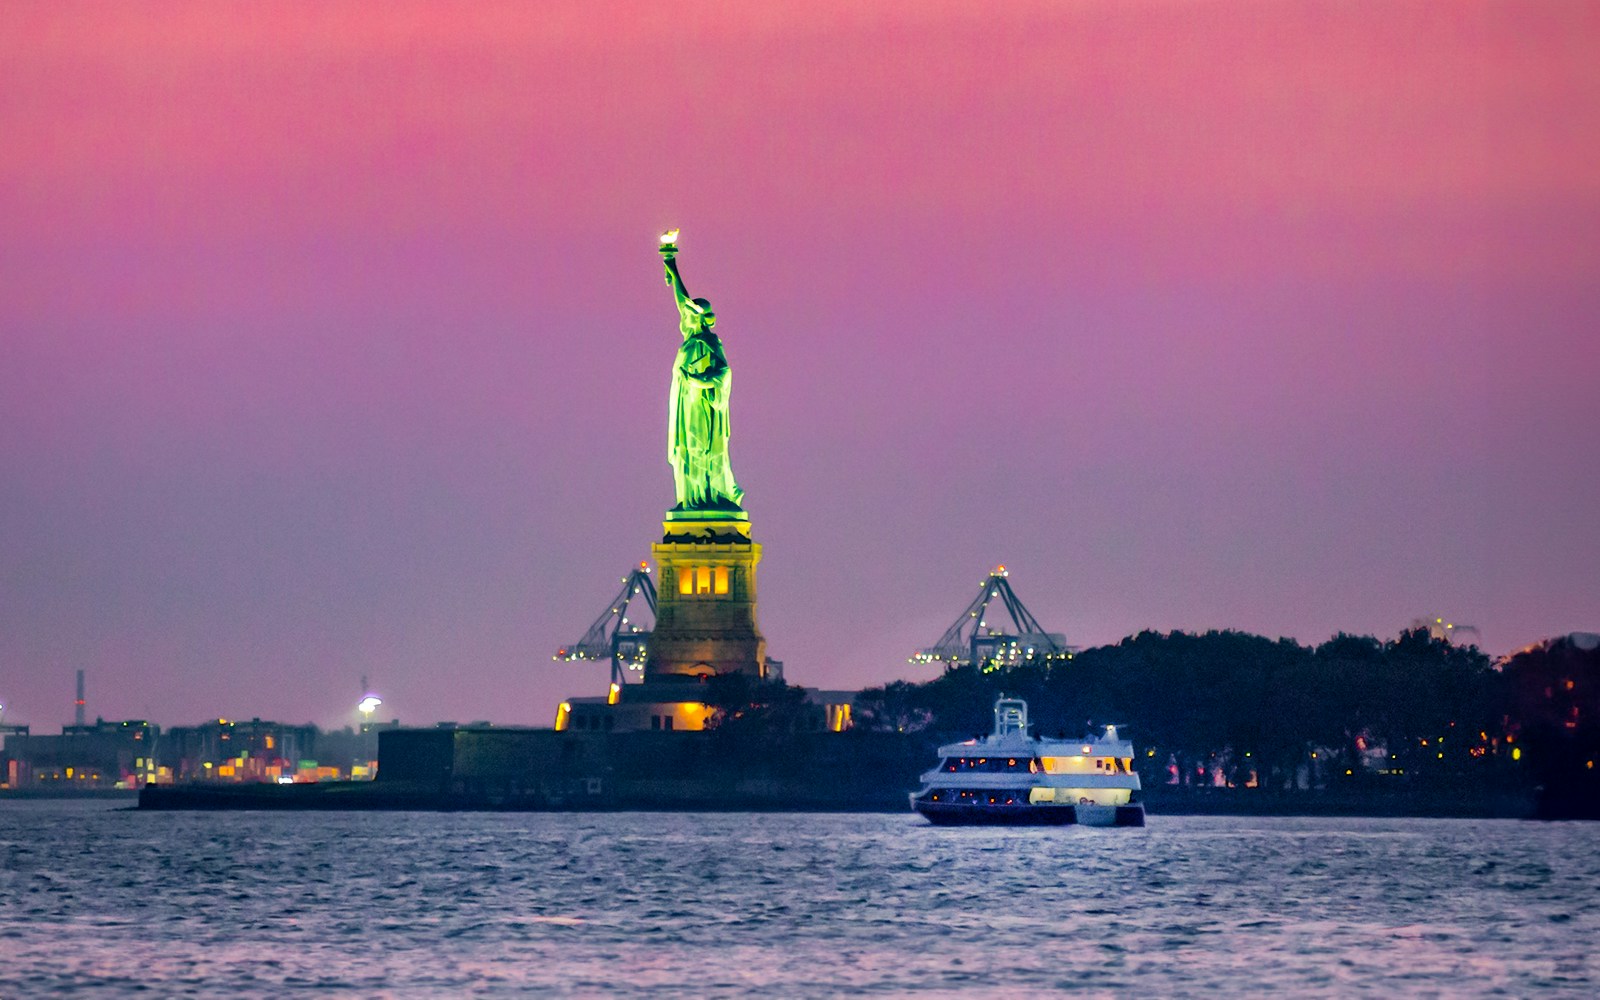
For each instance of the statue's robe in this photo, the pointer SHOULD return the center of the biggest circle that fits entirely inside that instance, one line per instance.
(697, 426)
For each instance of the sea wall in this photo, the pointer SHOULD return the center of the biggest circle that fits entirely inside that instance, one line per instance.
(534, 768)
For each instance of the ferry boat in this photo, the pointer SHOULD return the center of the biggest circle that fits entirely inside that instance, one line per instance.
(1011, 778)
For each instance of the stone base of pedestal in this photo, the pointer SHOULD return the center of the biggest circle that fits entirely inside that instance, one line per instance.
(706, 598)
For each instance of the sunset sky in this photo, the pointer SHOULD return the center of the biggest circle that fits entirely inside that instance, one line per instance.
(333, 340)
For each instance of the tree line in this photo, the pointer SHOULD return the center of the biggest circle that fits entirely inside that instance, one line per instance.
(1228, 708)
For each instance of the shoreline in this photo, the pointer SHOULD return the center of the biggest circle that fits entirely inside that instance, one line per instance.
(51, 794)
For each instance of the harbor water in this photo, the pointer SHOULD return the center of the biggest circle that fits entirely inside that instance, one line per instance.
(97, 900)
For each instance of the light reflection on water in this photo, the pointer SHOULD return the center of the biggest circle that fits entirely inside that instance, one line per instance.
(98, 901)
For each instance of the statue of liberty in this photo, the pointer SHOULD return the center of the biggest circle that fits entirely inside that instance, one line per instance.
(697, 416)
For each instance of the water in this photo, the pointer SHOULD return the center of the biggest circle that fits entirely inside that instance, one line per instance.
(95, 901)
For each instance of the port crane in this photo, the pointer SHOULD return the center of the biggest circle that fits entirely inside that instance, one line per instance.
(1438, 628)
(615, 635)
(972, 639)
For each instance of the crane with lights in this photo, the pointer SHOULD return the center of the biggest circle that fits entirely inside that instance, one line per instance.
(615, 635)
(1438, 628)
(972, 639)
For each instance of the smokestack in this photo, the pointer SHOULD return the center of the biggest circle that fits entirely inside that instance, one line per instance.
(79, 714)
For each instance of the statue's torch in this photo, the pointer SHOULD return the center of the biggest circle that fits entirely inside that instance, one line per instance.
(669, 244)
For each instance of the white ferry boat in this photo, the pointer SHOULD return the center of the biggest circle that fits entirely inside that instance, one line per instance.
(1012, 778)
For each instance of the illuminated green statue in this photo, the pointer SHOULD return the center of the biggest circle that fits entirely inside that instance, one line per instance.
(697, 417)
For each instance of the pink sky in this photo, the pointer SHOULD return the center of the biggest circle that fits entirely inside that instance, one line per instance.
(333, 342)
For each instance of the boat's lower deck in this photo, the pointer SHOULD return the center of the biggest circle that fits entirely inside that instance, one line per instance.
(1015, 814)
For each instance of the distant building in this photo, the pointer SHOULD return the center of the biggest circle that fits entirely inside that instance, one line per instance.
(235, 750)
(351, 752)
(135, 753)
(830, 711)
(96, 755)
(227, 750)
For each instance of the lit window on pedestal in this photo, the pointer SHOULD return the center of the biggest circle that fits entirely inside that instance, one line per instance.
(702, 579)
(721, 586)
(685, 580)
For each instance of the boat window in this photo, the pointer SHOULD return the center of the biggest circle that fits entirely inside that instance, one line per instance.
(992, 765)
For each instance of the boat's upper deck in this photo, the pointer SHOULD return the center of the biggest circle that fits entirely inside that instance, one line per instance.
(1017, 745)
(1012, 750)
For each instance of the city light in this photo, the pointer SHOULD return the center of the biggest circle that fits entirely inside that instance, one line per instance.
(366, 707)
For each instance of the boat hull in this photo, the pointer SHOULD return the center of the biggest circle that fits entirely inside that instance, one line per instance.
(972, 814)
(1095, 815)
(984, 814)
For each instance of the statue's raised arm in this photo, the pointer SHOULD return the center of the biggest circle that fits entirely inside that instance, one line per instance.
(693, 314)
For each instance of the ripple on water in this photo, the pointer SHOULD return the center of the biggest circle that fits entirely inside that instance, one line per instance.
(420, 904)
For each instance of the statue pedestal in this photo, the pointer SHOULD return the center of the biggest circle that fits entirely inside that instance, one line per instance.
(706, 598)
